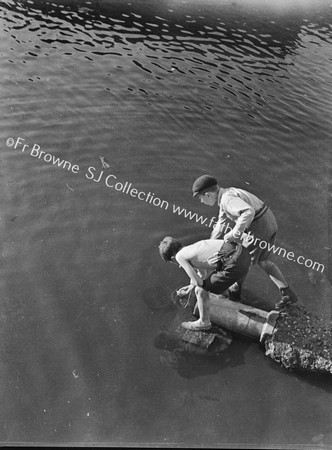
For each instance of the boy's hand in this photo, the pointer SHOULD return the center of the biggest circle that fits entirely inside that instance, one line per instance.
(214, 259)
(229, 238)
(182, 292)
(201, 273)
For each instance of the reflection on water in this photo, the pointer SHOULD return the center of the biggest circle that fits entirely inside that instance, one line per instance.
(162, 92)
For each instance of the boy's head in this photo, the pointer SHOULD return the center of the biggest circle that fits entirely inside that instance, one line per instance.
(168, 248)
(206, 189)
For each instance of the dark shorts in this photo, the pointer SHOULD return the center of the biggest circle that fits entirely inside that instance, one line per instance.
(264, 232)
(220, 280)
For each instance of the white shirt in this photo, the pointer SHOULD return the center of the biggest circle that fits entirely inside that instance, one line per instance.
(239, 206)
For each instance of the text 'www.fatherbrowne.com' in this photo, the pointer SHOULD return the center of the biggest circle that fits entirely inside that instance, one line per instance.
(126, 187)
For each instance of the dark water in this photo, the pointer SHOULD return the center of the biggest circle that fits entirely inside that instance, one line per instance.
(164, 91)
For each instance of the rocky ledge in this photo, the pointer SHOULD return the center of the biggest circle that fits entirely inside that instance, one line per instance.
(301, 340)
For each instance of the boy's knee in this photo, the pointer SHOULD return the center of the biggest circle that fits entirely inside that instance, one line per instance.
(202, 293)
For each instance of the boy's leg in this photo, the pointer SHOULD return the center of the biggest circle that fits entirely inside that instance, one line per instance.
(217, 282)
(287, 295)
(203, 304)
(233, 273)
(234, 291)
(273, 272)
(265, 230)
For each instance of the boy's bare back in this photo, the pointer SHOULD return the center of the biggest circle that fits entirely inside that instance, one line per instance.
(197, 254)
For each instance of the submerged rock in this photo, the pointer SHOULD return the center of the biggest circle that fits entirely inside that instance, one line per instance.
(174, 337)
(301, 340)
(212, 342)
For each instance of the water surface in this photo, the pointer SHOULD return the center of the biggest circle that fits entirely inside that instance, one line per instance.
(164, 91)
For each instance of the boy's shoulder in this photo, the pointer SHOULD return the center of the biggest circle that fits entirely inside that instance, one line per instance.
(231, 192)
(189, 250)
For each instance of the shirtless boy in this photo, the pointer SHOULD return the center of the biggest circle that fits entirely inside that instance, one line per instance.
(212, 266)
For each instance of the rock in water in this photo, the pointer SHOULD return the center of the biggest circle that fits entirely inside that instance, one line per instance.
(301, 340)
(214, 341)
(174, 337)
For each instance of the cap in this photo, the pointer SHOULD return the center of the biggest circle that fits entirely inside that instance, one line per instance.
(202, 183)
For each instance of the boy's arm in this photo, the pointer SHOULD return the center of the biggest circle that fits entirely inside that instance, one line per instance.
(202, 273)
(195, 280)
(245, 215)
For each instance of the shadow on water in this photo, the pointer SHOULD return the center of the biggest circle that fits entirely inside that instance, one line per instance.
(221, 47)
(192, 366)
(229, 30)
(319, 380)
(190, 360)
(322, 381)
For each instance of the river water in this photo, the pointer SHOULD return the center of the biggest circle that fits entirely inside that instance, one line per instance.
(164, 91)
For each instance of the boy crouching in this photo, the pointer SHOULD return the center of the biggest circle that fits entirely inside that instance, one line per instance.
(212, 266)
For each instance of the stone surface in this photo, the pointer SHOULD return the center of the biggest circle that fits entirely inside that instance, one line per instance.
(302, 340)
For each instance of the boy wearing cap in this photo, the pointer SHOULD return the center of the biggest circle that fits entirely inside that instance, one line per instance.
(251, 216)
(226, 263)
